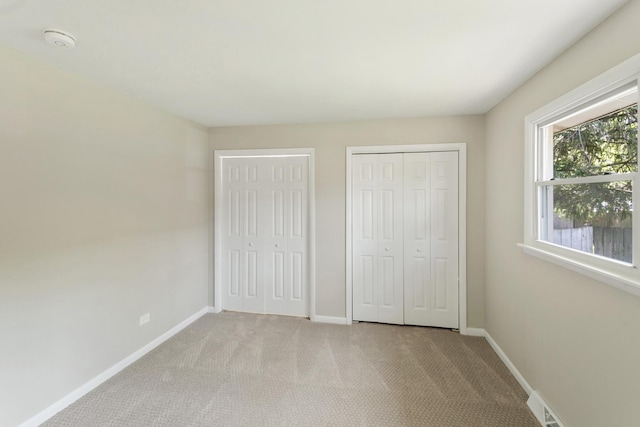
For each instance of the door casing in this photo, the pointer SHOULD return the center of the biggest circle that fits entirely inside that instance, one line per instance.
(461, 148)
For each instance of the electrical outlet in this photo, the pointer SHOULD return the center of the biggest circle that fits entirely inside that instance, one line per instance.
(145, 318)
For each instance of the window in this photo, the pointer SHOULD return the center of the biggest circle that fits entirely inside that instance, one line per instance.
(581, 179)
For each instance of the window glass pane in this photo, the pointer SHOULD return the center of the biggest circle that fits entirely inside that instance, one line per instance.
(593, 218)
(598, 141)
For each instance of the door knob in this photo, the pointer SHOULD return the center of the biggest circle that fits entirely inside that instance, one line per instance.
(386, 249)
(419, 250)
(277, 245)
(250, 244)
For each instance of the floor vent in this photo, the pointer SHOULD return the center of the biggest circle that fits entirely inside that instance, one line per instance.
(542, 411)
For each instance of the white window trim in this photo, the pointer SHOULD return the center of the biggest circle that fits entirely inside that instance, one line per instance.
(614, 273)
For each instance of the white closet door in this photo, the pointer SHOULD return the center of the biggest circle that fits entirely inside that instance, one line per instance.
(233, 242)
(444, 240)
(390, 250)
(254, 230)
(265, 242)
(364, 199)
(297, 277)
(431, 239)
(377, 238)
(417, 238)
(276, 237)
(286, 239)
(243, 256)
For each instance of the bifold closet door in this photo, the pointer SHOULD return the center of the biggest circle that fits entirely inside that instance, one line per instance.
(243, 224)
(431, 239)
(285, 238)
(405, 238)
(377, 194)
(265, 226)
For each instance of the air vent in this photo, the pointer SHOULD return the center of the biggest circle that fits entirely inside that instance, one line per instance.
(542, 411)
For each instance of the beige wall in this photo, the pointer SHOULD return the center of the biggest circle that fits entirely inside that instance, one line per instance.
(103, 217)
(330, 141)
(575, 340)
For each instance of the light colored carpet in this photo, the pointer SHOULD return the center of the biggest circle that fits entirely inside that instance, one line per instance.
(237, 369)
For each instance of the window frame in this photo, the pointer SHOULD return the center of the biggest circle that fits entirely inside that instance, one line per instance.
(616, 273)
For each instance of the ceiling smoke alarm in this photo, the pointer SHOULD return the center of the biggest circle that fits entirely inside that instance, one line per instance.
(60, 38)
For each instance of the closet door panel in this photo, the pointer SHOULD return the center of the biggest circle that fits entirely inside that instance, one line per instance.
(390, 238)
(275, 242)
(233, 256)
(365, 235)
(431, 239)
(254, 233)
(417, 237)
(444, 241)
(377, 238)
(297, 236)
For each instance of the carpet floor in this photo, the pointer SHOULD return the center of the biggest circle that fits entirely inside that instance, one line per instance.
(239, 369)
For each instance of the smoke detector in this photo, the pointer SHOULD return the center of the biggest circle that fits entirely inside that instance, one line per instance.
(60, 38)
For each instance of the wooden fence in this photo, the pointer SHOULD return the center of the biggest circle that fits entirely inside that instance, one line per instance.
(611, 242)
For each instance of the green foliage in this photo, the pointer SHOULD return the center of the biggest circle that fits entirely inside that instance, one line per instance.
(606, 145)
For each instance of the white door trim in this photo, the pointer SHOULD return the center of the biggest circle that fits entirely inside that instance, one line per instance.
(461, 148)
(219, 156)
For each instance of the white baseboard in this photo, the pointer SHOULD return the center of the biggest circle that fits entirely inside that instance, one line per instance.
(514, 371)
(473, 332)
(211, 309)
(329, 319)
(96, 381)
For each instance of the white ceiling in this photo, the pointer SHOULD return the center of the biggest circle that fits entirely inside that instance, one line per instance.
(245, 62)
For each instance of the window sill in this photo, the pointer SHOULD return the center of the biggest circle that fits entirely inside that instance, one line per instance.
(624, 283)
